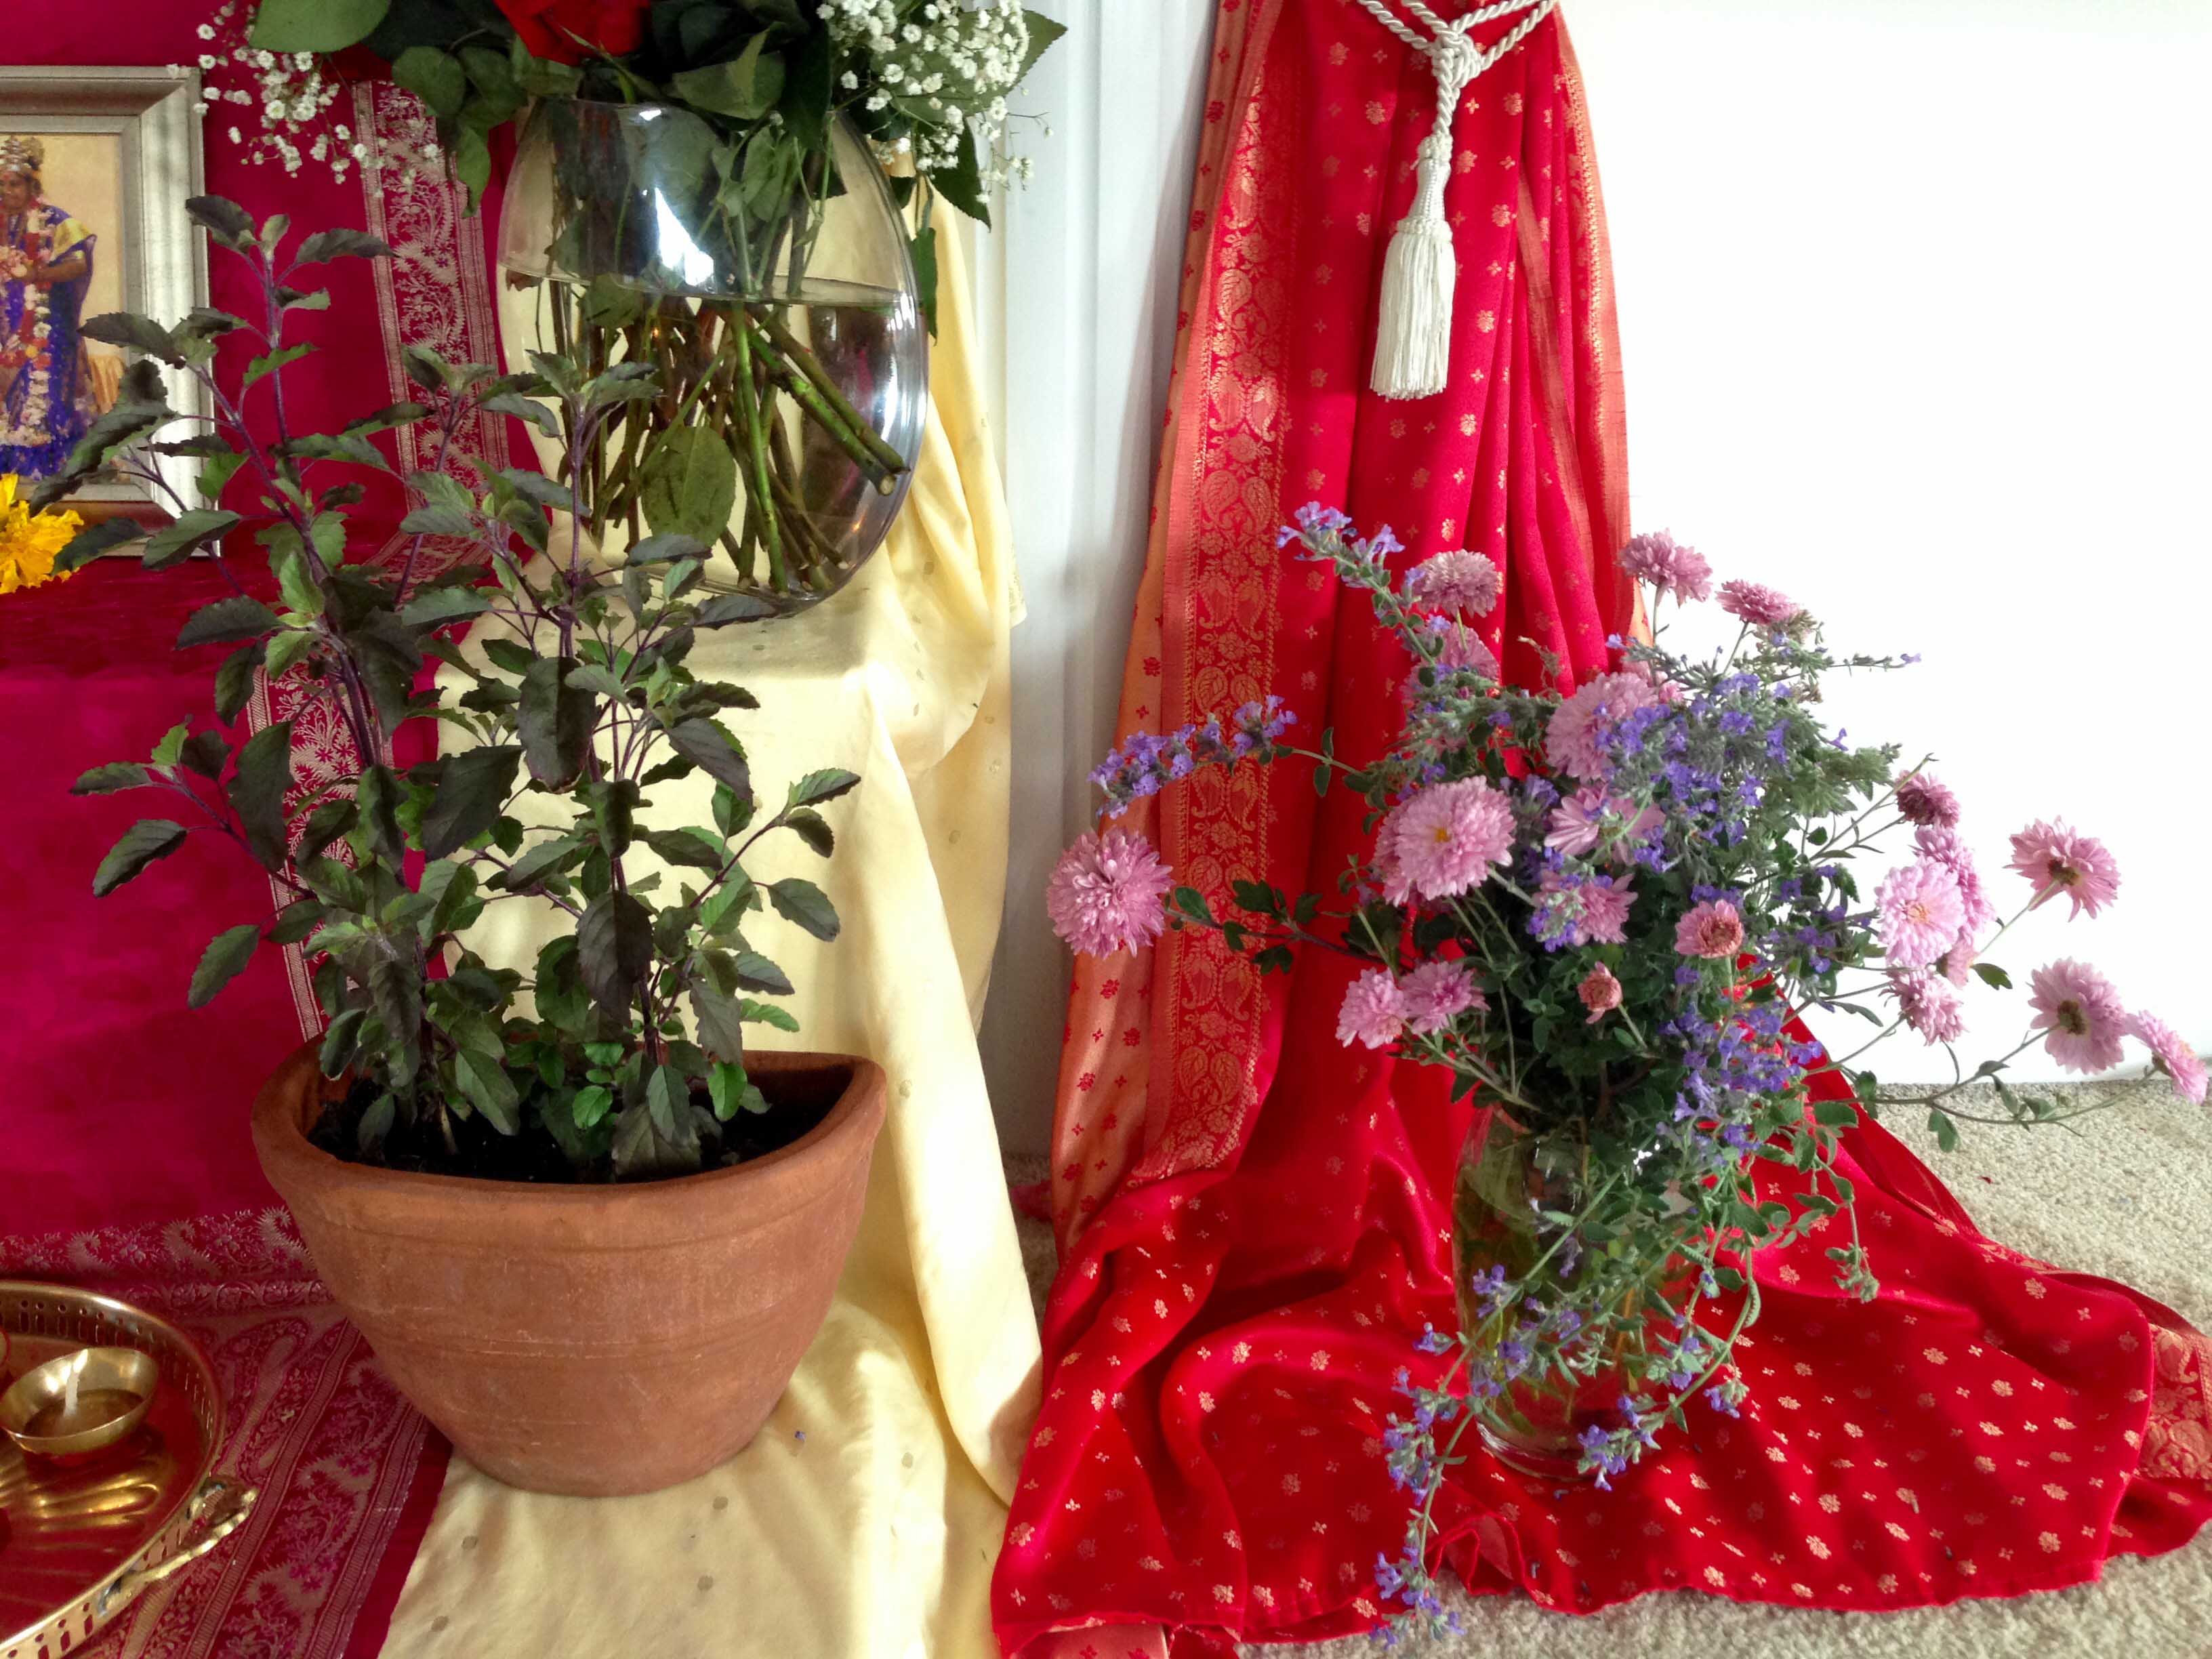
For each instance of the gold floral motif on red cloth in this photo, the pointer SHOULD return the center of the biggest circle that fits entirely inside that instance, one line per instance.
(2178, 1440)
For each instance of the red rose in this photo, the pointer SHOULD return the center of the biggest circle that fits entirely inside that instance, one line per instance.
(564, 30)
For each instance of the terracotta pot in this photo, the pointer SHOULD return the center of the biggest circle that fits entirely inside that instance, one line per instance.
(596, 1339)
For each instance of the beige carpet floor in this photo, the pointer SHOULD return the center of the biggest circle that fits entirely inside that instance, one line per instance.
(2126, 1193)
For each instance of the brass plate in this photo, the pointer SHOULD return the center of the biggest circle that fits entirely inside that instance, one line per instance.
(81, 1536)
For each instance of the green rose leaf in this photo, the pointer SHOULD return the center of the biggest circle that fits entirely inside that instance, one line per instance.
(142, 842)
(540, 77)
(923, 250)
(689, 483)
(227, 953)
(434, 76)
(963, 184)
(1044, 32)
(315, 25)
(746, 88)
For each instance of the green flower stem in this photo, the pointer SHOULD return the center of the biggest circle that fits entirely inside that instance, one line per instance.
(795, 355)
(761, 490)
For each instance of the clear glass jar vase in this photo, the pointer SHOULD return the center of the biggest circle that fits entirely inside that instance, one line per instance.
(779, 308)
(1506, 1180)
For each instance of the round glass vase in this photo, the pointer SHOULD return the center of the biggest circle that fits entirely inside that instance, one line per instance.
(773, 295)
(1505, 1178)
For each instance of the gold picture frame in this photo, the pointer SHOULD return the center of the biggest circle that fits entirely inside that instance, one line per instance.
(124, 141)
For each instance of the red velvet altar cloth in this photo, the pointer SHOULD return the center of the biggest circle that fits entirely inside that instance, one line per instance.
(128, 1165)
(124, 1107)
(1253, 1220)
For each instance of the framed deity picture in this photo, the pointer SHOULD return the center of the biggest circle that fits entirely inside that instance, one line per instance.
(95, 167)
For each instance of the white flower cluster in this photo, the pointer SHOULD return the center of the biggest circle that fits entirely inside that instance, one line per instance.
(290, 97)
(946, 64)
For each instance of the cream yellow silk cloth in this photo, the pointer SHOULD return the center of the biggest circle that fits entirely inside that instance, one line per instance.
(863, 1521)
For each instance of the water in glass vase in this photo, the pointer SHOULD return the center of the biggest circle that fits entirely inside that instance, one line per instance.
(780, 317)
(1502, 1190)
(779, 433)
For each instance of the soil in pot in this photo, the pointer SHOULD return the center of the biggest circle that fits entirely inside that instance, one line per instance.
(796, 1105)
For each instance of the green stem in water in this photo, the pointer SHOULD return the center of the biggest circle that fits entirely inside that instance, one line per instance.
(750, 417)
(809, 370)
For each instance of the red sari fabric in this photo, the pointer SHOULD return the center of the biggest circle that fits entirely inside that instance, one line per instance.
(1253, 1219)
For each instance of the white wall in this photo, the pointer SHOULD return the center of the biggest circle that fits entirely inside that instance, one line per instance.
(1089, 263)
(1913, 301)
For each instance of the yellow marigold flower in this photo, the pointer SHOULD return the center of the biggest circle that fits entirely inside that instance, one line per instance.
(28, 540)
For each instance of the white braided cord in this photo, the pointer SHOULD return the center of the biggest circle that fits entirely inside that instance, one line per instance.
(1456, 59)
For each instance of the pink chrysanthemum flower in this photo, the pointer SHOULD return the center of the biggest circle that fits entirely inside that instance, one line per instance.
(1656, 557)
(1759, 605)
(1443, 841)
(1457, 647)
(1435, 994)
(1958, 963)
(1930, 1006)
(2057, 859)
(1926, 799)
(1599, 992)
(1918, 912)
(1108, 893)
(1712, 929)
(2083, 1013)
(1373, 1014)
(2173, 1057)
(1604, 919)
(1465, 581)
(1572, 740)
(1578, 822)
(1942, 846)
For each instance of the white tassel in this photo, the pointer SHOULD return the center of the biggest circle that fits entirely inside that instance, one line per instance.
(1413, 332)
(1413, 328)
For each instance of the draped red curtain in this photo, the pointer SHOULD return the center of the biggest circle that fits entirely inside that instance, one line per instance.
(1252, 1218)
